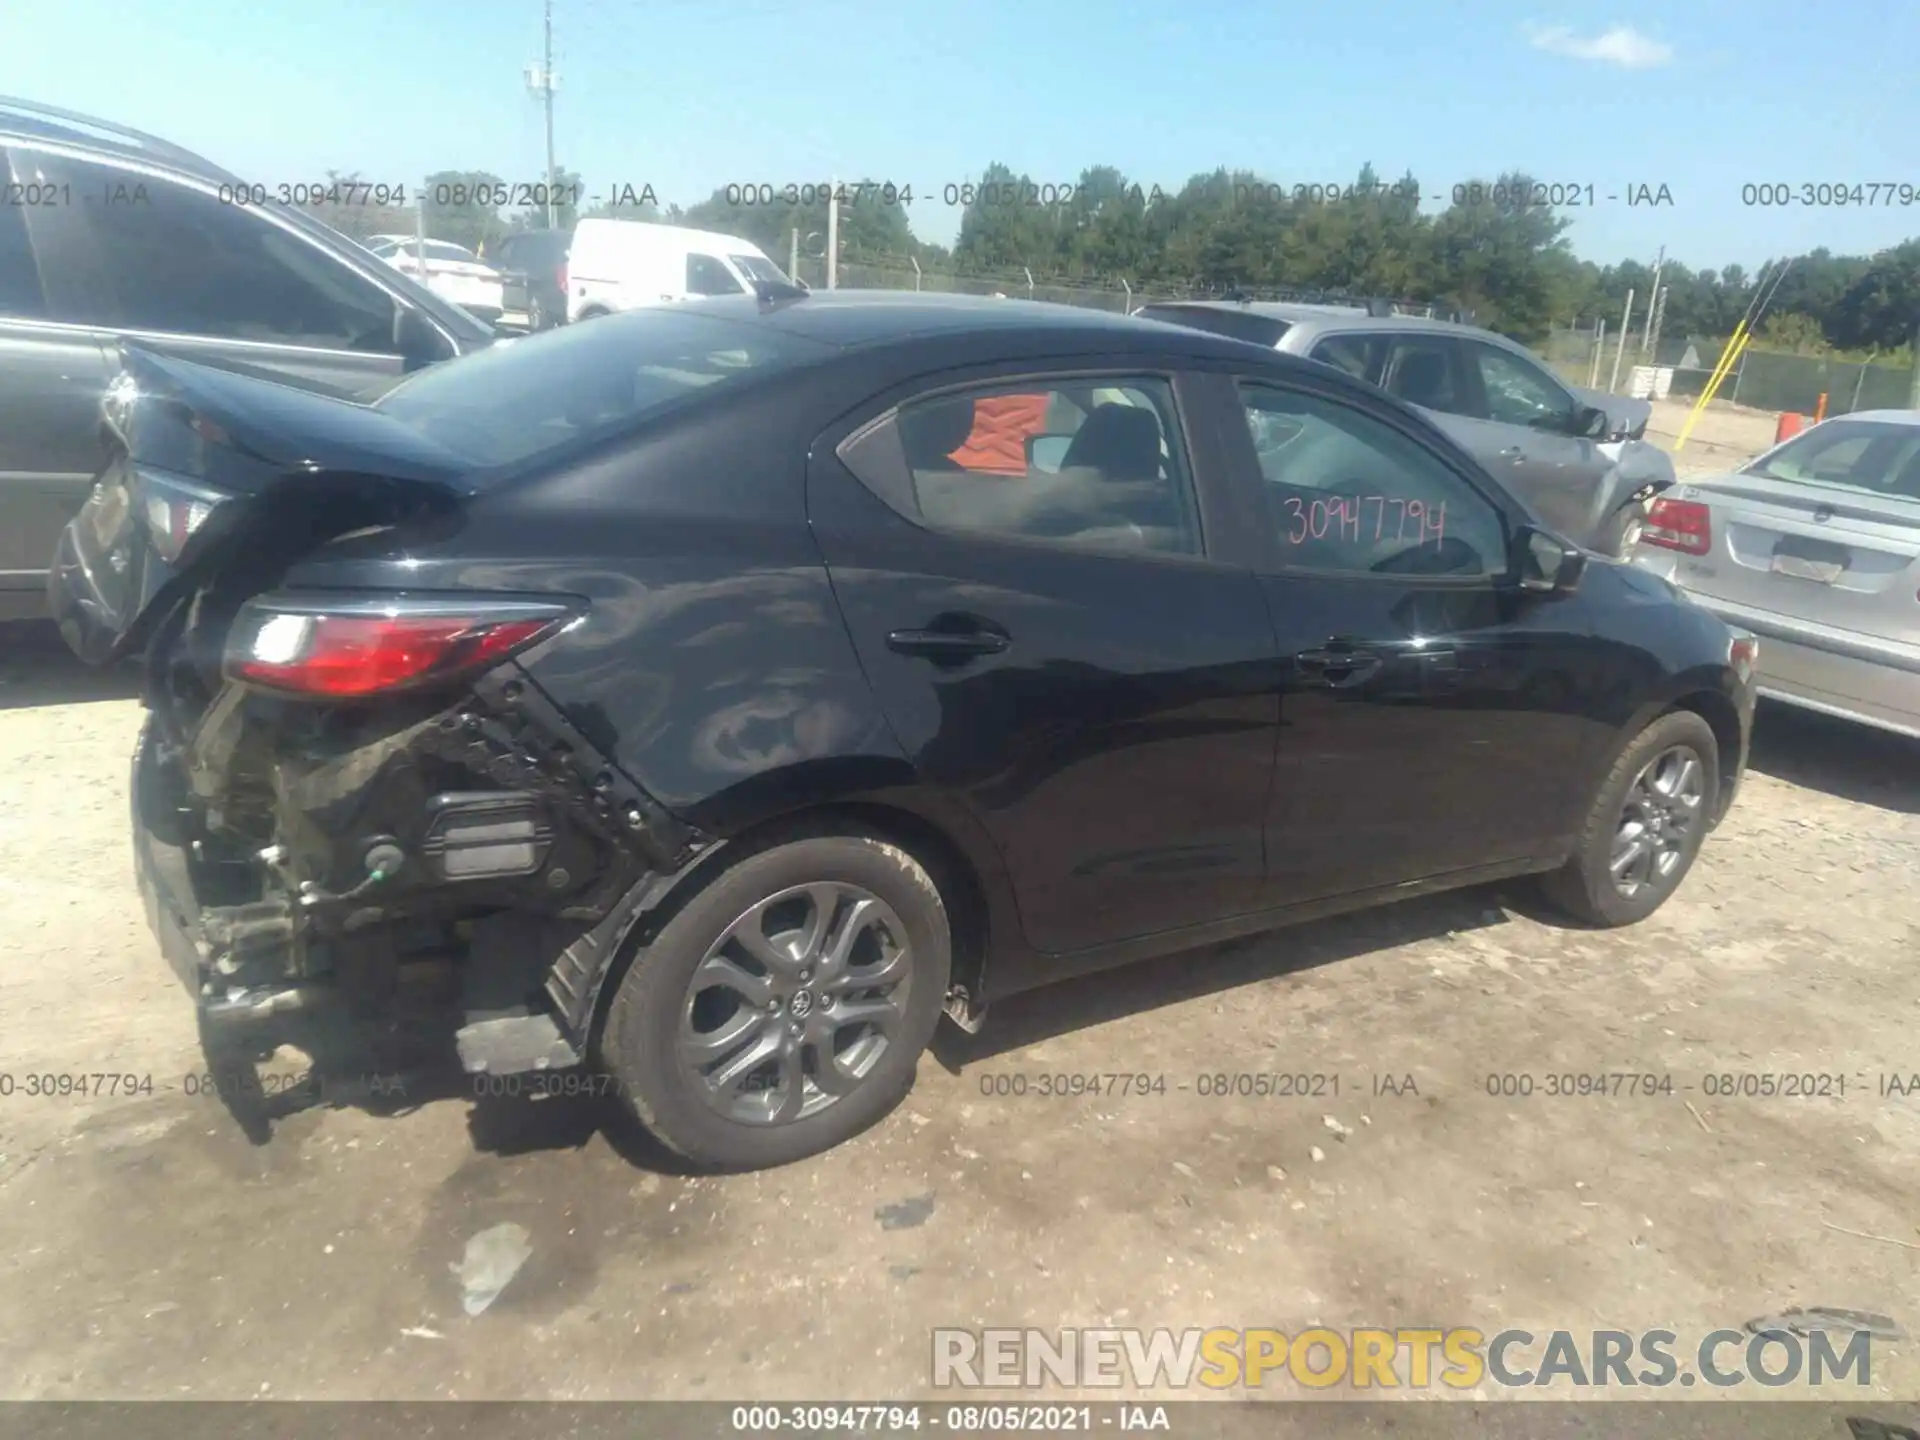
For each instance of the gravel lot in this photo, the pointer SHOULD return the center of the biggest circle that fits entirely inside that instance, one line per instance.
(148, 1250)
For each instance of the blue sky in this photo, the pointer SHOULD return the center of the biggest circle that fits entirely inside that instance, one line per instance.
(1702, 97)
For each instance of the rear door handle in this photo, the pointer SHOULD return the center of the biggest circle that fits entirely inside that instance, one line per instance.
(1337, 668)
(947, 644)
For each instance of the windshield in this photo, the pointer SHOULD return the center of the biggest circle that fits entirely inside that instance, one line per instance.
(758, 267)
(1234, 324)
(531, 396)
(1869, 456)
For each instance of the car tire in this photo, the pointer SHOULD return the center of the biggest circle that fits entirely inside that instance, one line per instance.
(1649, 797)
(705, 997)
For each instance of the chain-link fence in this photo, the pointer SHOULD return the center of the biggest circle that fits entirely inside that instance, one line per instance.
(1762, 379)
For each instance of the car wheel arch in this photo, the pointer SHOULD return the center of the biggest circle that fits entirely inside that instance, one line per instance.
(1724, 720)
(1711, 705)
(962, 890)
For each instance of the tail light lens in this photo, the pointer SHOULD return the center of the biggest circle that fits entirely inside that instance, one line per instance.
(1683, 525)
(359, 648)
(1744, 655)
(173, 509)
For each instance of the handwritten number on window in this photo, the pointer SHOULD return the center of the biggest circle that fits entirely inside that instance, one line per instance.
(1341, 517)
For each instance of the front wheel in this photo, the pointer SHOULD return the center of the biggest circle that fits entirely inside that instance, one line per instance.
(1645, 827)
(784, 1009)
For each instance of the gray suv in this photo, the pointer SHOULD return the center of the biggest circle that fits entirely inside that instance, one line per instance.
(1576, 459)
(106, 235)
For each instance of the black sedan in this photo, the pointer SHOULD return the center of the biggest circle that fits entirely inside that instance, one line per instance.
(716, 694)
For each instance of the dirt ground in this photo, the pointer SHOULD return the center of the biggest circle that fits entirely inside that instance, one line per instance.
(148, 1250)
(1724, 436)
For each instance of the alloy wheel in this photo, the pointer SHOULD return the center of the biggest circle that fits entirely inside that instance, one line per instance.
(793, 1006)
(1658, 819)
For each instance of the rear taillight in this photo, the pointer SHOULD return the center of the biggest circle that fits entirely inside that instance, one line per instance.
(560, 277)
(173, 509)
(1683, 525)
(1744, 656)
(356, 648)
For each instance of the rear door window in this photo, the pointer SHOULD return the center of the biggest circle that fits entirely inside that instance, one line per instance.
(1425, 370)
(20, 294)
(155, 255)
(1095, 462)
(1356, 355)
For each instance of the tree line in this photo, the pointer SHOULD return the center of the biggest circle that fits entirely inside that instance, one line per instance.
(1492, 249)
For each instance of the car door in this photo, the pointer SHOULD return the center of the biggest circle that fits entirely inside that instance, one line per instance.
(1431, 710)
(1534, 420)
(168, 263)
(51, 380)
(1074, 649)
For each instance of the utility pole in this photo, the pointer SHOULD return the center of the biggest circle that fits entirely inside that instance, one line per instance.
(833, 234)
(1913, 391)
(1653, 299)
(1619, 349)
(540, 82)
(1654, 321)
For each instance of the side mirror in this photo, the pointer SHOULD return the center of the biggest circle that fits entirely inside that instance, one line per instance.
(1592, 423)
(1046, 453)
(1547, 564)
(415, 340)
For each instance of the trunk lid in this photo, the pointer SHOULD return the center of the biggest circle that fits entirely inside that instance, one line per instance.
(209, 466)
(1824, 554)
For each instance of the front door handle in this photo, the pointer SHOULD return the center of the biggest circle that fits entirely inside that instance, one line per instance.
(1337, 668)
(949, 645)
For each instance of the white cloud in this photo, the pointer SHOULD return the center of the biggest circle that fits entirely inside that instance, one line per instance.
(1621, 45)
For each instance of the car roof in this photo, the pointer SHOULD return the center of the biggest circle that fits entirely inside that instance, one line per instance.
(29, 120)
(1354, 316)
(683, 234)
(1883, 417)
(848, 318)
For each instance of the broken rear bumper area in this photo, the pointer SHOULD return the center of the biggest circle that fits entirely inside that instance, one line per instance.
(377, 887)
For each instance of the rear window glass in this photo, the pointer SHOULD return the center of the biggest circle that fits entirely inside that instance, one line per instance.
(1234, 324)
(1864, 455)
(525, 397)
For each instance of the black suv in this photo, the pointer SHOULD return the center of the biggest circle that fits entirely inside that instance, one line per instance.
(535, 263)
(107, 233)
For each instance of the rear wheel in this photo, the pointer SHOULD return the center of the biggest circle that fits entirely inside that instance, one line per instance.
(1645, 827)
(784, 1009)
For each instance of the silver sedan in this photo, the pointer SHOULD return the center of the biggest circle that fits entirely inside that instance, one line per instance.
(1815, 547)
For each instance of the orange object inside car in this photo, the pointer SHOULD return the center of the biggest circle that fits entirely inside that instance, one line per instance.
(1001, 427)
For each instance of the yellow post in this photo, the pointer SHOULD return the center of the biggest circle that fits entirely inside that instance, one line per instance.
(1706, 395)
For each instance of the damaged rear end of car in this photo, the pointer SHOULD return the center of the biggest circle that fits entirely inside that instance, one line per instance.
(358, 822)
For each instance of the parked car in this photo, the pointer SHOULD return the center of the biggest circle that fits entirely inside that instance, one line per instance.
(617, 265)
(451, 271)
(108, 233)
(668, 688)
(1577, 460)
(534, 263)
(1815, 545)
